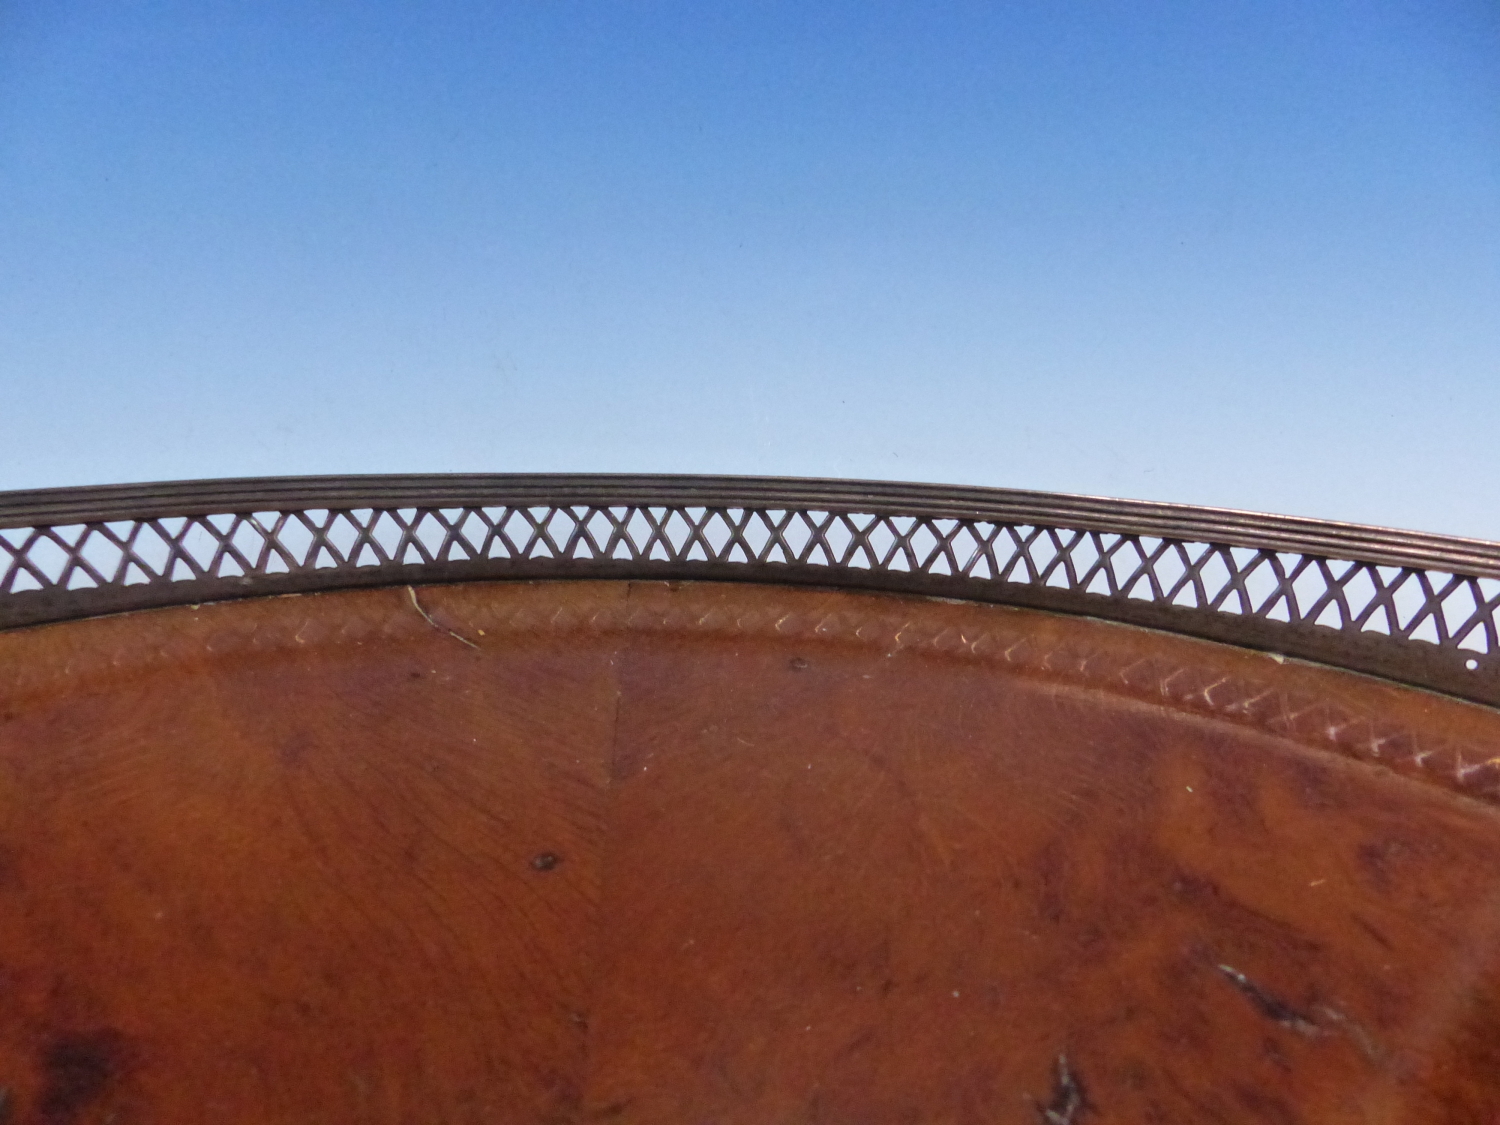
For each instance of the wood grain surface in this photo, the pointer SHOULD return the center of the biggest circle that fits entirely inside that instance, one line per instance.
(697, 853)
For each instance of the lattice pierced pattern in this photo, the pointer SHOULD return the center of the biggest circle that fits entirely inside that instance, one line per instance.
(1451, 611)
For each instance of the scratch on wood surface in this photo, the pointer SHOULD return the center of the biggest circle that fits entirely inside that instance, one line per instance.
(416, 605)
(1068, 1097)
(1361, 1038)
(1270, 1006)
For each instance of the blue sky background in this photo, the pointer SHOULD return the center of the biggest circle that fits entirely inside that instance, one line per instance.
(1242, 254)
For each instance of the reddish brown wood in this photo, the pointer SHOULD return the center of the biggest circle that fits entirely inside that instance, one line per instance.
(639, 853)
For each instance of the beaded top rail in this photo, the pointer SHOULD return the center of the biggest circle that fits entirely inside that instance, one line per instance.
(1412, 607)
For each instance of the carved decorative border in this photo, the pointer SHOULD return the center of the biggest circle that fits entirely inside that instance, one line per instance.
(1438, 742)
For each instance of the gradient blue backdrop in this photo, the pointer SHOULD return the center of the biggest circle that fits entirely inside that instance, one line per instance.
(1244, 254)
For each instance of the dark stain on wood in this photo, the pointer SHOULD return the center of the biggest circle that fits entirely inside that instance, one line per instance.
(77, 1071)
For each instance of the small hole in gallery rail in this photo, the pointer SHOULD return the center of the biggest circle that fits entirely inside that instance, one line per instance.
(1471, 664)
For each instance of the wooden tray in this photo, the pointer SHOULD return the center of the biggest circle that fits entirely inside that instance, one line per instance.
(641, 852)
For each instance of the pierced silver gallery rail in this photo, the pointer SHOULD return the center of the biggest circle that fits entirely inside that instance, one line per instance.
(1412, 607)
